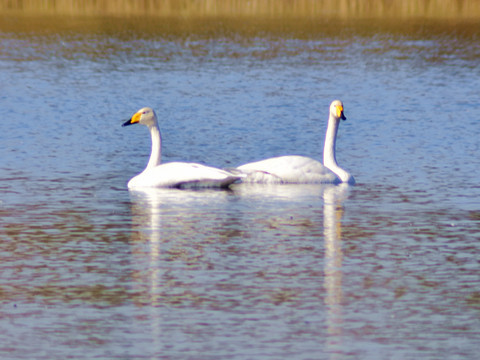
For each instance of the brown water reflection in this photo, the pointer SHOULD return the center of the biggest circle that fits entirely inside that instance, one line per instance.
(274, 265)
(122, 41)
(233, 28)
(49, 256)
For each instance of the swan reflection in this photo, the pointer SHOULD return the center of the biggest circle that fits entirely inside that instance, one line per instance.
(174, 230)
(171, 215)
(163, 220)
(333, 197)
(287, 192)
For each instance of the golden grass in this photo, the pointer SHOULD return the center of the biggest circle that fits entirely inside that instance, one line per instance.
(459, 9)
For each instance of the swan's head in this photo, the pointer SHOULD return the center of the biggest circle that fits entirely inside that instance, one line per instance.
(144, 116)
(336, 110)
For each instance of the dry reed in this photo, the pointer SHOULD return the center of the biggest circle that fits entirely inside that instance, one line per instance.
(459, 9)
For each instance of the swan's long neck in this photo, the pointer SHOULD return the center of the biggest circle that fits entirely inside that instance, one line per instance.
(156, 155)
(329, 159)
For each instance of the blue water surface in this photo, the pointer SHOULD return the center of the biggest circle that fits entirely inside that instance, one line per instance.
(385, 269)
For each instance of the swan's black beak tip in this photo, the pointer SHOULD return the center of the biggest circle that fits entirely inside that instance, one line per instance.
(128, 122)
(343, 117)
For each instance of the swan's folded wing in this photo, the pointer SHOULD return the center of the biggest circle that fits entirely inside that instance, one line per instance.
(183, 175)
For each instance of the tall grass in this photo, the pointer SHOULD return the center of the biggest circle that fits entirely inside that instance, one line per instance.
(249, 8)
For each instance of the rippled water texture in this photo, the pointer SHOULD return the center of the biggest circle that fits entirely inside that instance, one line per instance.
(387, 269)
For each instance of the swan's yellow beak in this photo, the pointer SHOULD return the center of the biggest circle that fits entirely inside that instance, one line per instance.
(340, 113)
(134, 119)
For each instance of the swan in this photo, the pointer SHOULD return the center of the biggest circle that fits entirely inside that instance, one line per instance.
(173, 174)
(301, 169)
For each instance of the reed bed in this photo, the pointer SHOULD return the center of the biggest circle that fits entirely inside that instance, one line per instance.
(463, 9)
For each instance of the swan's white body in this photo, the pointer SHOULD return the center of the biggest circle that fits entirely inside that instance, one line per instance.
(288, 169)
(174, 174)
(296, 169)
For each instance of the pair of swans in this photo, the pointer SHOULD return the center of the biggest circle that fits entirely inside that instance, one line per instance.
(291, 169)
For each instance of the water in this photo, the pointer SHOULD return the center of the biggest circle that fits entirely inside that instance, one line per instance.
(385, 269)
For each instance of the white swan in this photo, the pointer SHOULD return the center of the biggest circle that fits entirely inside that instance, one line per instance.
(174, 174)
(301, 169)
